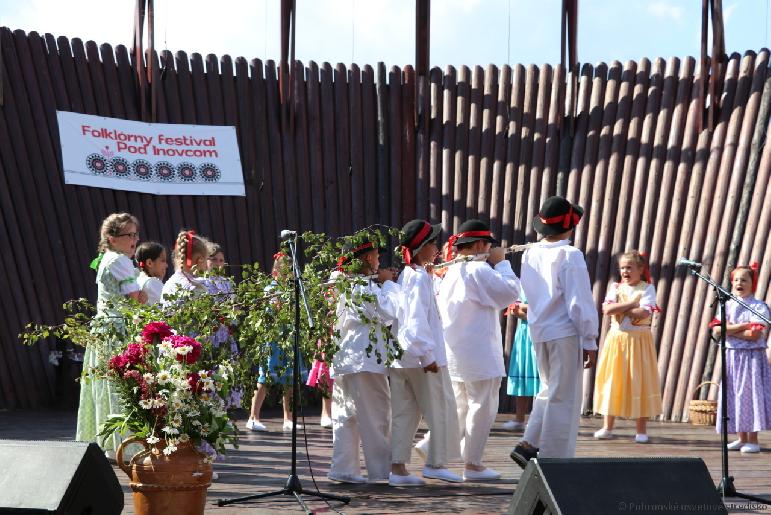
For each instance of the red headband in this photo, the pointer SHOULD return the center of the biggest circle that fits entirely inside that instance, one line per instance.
(414, 242)
(468, 234)
(189, 250)
(566, 219)
(341, 261)
(754, 268)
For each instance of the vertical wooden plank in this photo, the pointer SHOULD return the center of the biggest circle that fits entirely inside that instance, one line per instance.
(435, 146)
(395, 137)
(267, 200)
(555, 110)
(278, 194)
(383, 164)
(521, 223)
(462, 113)
(369, 137)
(355, 144)
(539, 147)
(514, 140)
(238, 231)
(409, 172)
(329, 144)
(315, 155)
(449, 103)
(474, 143)
(499, 151)
(592, 145)
(344, 168)
(487, 157)
(578, 144)
(303, 173)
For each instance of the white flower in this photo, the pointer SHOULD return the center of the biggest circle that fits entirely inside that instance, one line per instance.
(183, 350)
(196, 422)
(146, 404)
(149, 378)
(176, 420)
(217, 412)
(170, 430)
(203, 374)
(136, 320)
(165, 348)
(208, 385)
(158, 402)
(184, 438)
(152, 439)
(176, 403)
(205, 429)
(169, 449)
(163, 377)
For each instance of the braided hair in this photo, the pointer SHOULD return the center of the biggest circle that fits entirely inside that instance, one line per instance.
(188, 248)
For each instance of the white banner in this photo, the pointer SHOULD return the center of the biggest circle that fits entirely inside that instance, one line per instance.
(159, 158)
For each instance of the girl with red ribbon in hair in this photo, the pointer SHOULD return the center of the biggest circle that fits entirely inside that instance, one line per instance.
(748, 372)
(627, 382)
(190, 258)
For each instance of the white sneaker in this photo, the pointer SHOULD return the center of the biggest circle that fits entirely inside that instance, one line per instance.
(422, 449)
(641, 438)
(481, 475)
(347, 478)
(408, 480)
(750, 448)
(288, 425)
(325, 422)
(255, 425)
(735, 445)
(603, 434)
(442, 474)
(513, 425)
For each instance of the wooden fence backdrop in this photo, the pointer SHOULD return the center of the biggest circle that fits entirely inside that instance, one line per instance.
(492, 144)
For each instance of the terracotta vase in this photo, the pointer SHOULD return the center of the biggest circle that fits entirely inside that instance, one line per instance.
(166, 485)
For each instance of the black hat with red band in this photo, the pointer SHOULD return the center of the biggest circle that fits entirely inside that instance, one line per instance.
(354, 250)
(469, 232)
(414, 236)
(557, 215)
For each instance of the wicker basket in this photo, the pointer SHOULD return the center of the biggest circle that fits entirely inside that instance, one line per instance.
(702, 413)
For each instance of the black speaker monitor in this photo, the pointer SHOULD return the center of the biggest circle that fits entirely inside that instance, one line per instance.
(57, 477)
(595, 486)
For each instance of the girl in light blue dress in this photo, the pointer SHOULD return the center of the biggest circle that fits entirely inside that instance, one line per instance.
(523, 382)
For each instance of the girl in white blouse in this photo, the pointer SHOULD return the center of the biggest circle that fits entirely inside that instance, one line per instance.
(152, 261)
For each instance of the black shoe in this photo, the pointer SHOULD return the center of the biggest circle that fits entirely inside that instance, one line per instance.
(521, 454)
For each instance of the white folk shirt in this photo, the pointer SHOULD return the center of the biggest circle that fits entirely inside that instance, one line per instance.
(471, 298)
(420, 327)
(352, 356)
(560, 303)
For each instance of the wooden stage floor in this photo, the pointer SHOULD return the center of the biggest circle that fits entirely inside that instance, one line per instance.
(261, 464)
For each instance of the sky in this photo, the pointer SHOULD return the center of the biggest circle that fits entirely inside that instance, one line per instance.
(466, 32)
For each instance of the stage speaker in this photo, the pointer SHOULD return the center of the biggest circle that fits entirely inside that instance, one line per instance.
(595, 486)
(72, 478)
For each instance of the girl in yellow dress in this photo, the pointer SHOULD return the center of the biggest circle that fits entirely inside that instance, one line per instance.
(627, 382)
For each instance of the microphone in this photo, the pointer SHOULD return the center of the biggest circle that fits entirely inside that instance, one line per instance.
(689, 263)
(286, 234)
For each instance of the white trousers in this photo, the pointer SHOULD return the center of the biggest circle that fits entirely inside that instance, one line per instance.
(477, 403)
(361, 413)
(553, 423)
(415, 393)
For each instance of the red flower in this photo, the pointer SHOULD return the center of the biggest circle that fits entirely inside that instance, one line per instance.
(135, 353)
(184, 341)
(194, 380)
(155, 329)
(118, 363)
(136, 376)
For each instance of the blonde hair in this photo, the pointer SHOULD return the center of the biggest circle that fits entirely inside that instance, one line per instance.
(112, 226)
(214, 249)
(640, 259)
(199, 247)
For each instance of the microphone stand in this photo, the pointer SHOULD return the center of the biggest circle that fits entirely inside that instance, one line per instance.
(726, 487)
(293, 485)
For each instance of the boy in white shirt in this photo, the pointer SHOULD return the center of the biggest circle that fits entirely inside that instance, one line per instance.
(419, 379)
(563, 323)
(361, 407)
(471, 298)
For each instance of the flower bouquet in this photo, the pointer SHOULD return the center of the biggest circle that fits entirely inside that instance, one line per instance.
(168, 394)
